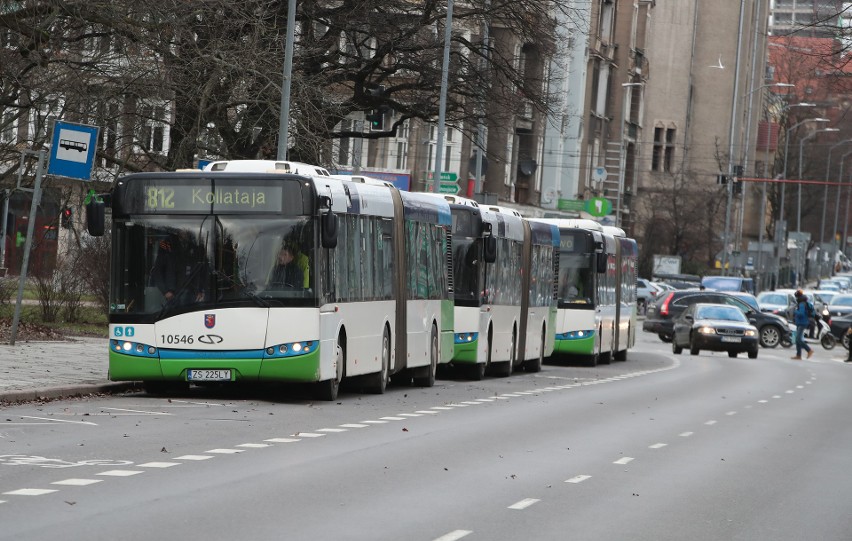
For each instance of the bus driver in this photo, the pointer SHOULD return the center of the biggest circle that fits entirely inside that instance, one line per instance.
(291, 270)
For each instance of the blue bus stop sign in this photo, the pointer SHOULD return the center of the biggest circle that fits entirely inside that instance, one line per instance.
(73, 151)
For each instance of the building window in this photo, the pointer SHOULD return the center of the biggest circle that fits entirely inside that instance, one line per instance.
(153, 132)
(8, 126)
(662, 157)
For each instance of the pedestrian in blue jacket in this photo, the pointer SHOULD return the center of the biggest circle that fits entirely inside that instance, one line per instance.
(801, 317)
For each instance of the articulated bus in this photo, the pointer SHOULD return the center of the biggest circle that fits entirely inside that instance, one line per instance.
(504, 282)
(373, 297)
(596, 297)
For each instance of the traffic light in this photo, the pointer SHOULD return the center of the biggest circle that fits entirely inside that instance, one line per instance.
(67, 218)
(376, 118)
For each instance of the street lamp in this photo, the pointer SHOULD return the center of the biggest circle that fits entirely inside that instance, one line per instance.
(621, 156)
(837, 208)
(784, 188)
(763, 198)
(825, 200)
(801, 148)
(799, 258)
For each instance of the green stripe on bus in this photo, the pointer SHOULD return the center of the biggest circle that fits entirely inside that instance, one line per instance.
(465, 353)
(580, 346)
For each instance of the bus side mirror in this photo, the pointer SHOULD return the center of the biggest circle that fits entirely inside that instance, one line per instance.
(602, 262)
(490, 249)
(328, 231)
(95, 216)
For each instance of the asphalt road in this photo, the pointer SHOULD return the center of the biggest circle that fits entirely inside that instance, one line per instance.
(660, 447)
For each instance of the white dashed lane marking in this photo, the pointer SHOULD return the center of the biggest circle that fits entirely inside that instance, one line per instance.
(354, 425)
(374, 422)
(578, 479)
(731, 413)
(120, 473)
(282, 440)
(194, 457)
(331, 430)
(657, 446)
(392, 418)
(710, 423)
(454, 535)
(77, 482)
(307, 435)
(254, 445)
(625, 460)
(224, 451)
(686, 434)
(29, 492)
(523, 504)
(427, 412)
(158, 464)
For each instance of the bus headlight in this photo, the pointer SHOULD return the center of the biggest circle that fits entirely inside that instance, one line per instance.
(465, 337)
(136, 349)
(291, 349)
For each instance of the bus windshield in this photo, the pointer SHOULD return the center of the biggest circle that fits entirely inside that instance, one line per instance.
(575, 280)
(467, 270)
(164, 265)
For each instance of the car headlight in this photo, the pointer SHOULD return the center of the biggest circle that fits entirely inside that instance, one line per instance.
(706, 330)
(750, 333)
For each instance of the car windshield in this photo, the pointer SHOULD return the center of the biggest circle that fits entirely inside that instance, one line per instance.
(842, 300)
(772, 298)
(724, 313)
(827, 296)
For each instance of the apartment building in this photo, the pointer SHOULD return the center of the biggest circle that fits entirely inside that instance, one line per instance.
(805, 18)
(708, 60)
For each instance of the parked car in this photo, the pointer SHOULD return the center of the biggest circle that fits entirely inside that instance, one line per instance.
(714, 327)
(839, 326)
(659, 318)
(728, 283)
(781, 303)
(646, 292)
(826, 295)
(840, 305)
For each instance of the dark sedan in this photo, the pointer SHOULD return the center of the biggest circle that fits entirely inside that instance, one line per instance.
(714, 327)
(660, 315)
(840, 305)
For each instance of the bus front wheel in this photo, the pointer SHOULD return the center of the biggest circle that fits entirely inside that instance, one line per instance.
(328, 389)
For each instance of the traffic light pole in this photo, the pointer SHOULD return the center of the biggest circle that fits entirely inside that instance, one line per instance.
(22, 279)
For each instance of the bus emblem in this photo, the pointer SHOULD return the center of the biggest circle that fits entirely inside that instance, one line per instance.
(209, 320)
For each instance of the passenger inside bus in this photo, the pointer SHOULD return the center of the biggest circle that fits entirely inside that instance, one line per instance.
(292, 269)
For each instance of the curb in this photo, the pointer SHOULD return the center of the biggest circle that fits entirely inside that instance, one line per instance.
(53, 393)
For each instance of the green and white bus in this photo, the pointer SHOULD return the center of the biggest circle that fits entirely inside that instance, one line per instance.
(504, 282)
(596, 297)
(373, 298)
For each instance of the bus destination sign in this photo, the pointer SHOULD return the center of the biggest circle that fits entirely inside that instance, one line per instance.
(164, 197)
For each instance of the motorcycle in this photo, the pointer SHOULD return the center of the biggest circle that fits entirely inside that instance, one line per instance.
(823, 334)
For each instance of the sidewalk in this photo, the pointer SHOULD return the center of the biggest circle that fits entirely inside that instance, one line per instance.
(35, 370)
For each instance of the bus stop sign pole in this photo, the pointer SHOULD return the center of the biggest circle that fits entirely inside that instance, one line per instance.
(28, 244)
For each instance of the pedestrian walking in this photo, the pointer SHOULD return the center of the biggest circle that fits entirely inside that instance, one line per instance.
(802, 317)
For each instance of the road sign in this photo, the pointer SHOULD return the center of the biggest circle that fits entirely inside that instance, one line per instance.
(448, 188)
(598, 206)
(73, 151)
(446, 176)
(599, 174)
(575, 205)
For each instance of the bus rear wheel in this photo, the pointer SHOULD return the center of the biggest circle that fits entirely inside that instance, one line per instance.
(328, 389)
(504, 369)
(428, 377)
(377, 383)
(534, 365)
